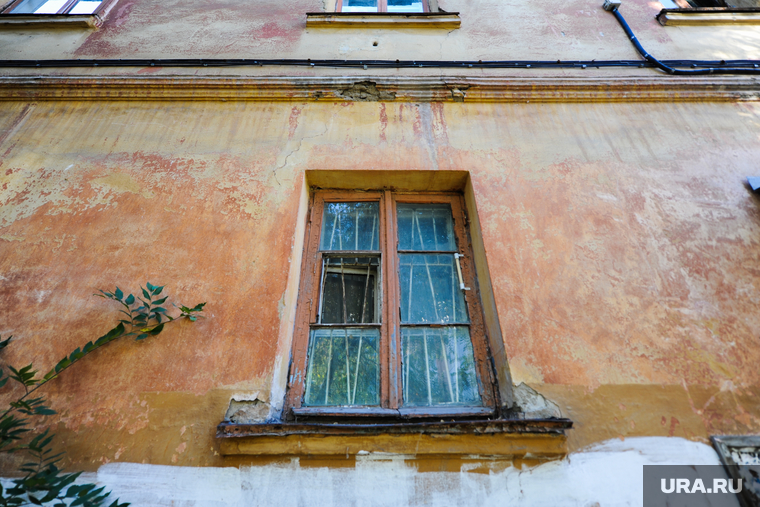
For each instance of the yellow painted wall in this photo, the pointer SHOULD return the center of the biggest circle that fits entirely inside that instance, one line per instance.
(490, 30)
(621, 239)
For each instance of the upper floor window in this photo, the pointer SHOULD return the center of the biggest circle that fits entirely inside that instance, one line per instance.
(389, 318)
(382, 6)
(710, 4)
(52, 7)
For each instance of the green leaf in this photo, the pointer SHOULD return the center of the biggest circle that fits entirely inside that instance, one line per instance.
(130, 299)
(24, 376)
(198, 307)
(2, 382)
(73, 491)
(5, 343)
(141, 337)
(150, 287)
(145, 293)
(111, 335)
(192, 318)
(157, 290)
(77, 354)
(119, 294)
(63, 363)
(89, 346)
(156, 330)
(160, 309)
(160, 301)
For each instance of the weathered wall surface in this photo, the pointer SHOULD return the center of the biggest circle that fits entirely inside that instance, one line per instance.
(621, 240)
(490, 30)
(608, 474)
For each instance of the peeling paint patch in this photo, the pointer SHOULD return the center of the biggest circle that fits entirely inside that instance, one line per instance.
(366, 91)
(533, 404)
(121, 182)
(608, 474)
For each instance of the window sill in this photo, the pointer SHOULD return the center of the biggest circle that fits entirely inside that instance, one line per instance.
(445, 20)
(709, 16)
(49, 21)
(403, 413)
(536, 438)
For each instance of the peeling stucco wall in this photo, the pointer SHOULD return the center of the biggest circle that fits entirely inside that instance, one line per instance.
(608, 474)
(621, 241)
(490, 30)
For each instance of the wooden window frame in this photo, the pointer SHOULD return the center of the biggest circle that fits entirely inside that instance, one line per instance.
(382, 6)
(391, 401)
(64, 10)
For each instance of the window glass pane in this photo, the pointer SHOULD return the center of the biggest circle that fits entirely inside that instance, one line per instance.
(359, 6)
(425, 227)
(39, 7)
(429, 286)
(350, 226)
(85, 7)
(348, 290)
(405, 6)
(438, 367)
(343, 367)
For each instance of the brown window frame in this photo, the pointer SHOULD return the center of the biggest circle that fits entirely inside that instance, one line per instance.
(391, 402)
(64, 10)
(382, 6)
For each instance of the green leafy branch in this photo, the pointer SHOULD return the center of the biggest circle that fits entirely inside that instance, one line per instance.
(43, 481)
(146, 318)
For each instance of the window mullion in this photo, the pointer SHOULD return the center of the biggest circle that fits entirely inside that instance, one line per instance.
(67, 7)
(382, 5)
(392, 378)
(12, 6)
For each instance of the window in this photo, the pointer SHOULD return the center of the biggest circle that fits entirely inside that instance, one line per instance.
(389, 321)
(701, 4)
(382, 6)
(53, 7)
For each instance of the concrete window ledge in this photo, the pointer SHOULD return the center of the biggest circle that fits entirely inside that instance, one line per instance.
(444, 20)
(709, 16)
(49, 21)
(528, 438)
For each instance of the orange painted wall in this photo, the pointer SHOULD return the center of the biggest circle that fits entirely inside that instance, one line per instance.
(621, 239)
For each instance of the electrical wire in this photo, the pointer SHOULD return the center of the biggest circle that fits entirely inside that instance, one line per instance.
(698, 67)
(386, 64)
(731, 68)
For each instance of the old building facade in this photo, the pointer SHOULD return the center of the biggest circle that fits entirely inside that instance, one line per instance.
(602, 315)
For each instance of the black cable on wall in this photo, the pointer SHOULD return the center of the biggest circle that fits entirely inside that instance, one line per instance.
(698, 67)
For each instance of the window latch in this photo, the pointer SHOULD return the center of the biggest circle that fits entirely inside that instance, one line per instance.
(457, 256)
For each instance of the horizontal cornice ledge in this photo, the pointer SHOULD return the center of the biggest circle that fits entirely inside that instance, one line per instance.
(16, 21)
(382, 89)
(442, 20)
(539, 439)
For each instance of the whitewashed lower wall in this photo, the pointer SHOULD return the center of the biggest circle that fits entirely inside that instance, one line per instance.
(608, 474)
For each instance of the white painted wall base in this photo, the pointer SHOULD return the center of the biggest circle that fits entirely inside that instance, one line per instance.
(608, 474)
